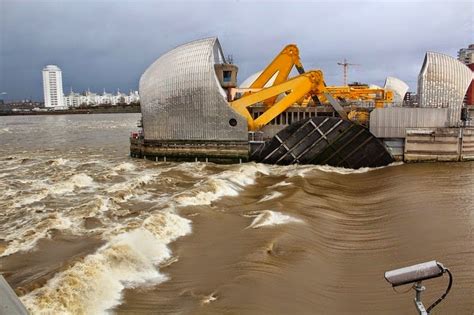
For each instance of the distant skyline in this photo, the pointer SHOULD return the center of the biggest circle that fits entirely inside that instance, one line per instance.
(108, 44)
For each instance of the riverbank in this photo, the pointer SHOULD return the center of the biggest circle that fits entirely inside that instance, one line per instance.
(103, 109)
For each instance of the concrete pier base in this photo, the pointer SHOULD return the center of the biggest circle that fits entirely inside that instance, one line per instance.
(190, 151)
(439, 144)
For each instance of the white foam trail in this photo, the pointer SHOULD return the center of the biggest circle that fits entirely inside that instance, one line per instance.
(127, 166)
(227, 183)
(270, 196)
(270, 218)
(94, 285)
(59, 161)
(128, 186)
(302, 170)
(80, 180)
(342, 170)
(37, 196)
(281, 184)
(209, 298)
(26, 236)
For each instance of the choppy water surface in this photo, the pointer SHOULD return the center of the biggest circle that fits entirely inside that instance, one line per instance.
(84, 229)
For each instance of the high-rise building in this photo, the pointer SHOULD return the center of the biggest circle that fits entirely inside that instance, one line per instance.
(53, 87)
(466, 55)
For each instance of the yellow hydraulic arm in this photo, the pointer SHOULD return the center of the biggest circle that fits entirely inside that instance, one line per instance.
(289, 57)
(281, 64)
(309, 83)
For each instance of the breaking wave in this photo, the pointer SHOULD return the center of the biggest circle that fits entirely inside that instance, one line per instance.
(303, 170)
(227, 183)
(113, 196)
(24, 235)
(270, 218)
(76, 181)
(95, 284)
(270, 196)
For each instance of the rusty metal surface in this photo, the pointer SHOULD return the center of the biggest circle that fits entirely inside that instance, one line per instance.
(324, 140)
(181, 98)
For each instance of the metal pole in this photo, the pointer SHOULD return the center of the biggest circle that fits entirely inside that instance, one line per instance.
(418, 304)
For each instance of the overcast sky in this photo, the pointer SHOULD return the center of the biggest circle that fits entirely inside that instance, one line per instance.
(108, 44)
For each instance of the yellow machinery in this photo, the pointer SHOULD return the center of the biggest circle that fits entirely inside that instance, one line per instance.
(297, 90)
(379, 96)
(294, 89)
(282, 63)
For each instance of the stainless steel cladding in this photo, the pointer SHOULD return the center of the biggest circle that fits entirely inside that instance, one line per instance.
(398, 87)
(392, 122)
(181, 98)
(443, 82)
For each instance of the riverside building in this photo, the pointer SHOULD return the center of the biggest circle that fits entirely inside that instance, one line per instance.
(54, 97)
(466, 55)
(53, 87)
(89, 98)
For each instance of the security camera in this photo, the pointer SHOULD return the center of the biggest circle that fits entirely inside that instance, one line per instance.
(415, 273)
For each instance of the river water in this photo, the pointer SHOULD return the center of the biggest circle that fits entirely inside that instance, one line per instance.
(84, 229)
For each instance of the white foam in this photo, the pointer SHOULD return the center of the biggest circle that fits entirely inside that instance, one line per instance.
(227, 183)
(127, 166)
(303, 170)
(26, 236)
(135, 182)
(80, 180)
(216, 188)
(270, 218)
(281, 184)
(209, 298)
(59, 162)
(94, 285)
(29, 199)
(270, 196)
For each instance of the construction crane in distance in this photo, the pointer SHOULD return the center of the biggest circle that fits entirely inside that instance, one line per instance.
(346, 65)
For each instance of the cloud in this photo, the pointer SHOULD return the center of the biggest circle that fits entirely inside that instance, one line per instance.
(108, 44)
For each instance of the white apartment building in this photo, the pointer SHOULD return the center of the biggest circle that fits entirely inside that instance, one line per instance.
(466, 55)
(89, 98)
(53, 87)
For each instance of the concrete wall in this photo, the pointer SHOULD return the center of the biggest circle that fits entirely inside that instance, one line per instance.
(439, 144)
(467, 152)
(396, 147)
(391, 122)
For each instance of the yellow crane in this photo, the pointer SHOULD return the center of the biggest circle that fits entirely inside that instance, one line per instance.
(280, 66)
(293, 90)
(299, 89)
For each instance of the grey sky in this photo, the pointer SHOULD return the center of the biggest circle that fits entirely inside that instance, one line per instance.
(108, 44)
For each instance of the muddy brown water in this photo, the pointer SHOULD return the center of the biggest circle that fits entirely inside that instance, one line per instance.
(85, 229)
